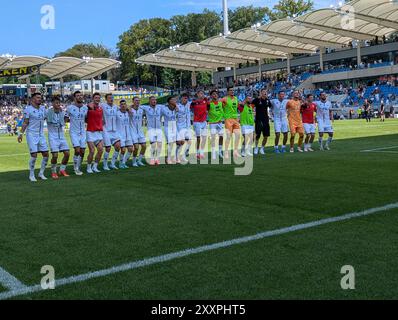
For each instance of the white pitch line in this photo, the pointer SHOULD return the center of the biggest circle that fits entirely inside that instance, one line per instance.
(193, 251)
(14, 155)
(9, 282)
(379, 149)
(381, 152)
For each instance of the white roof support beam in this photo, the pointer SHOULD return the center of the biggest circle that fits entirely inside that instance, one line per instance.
(67, 71)
(381, 22)
(343, 32)
(176, 66)
(206, 62)
(319, 43)
(272, 46)
(215, 57)
(254, 54)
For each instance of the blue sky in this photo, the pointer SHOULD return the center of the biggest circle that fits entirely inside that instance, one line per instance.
(91, 21)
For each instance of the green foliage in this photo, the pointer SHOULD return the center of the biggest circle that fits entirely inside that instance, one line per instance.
(195, 27)
(244, 17)
(86, 50)
(152, 35)
(291, 8)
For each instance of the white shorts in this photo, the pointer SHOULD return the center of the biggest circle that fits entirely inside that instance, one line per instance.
(36, 143)
(281, 126)
(138, 138)
(155, 135)
(110, 138)
(184, 134)
(200, 129)
(58, 145)
(217, 129)
(78, 140)
(95, 137)
(171, 134)
(325, 127)
(309, 128)
(126, 143)
(247, 129)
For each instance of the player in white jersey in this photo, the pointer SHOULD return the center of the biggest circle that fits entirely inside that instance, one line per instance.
(110, 133)
(280, 120)
(137, 133)
(56, 137)
(123, 129)
(76, 114)
(34, 117)
(184, 132)
(170, 128)
(324, 118)
(155, 134)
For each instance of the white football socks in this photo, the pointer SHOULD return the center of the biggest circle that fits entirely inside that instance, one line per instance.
(43, 165)
(32, 163)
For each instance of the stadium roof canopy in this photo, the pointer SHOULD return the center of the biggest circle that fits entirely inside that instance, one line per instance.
(197, 49)
(215, 62)
(382, 12)
(226, 44)
(152, 59)
(24, 61)
(288, 29)
(263, 40)
(3, 61)
(324, 28)
(59, 67)
(208, 55)
(344, 24)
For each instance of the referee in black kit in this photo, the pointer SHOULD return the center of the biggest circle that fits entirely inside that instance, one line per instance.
(262, 103)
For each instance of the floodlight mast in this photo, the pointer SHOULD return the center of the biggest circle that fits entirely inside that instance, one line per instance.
(226, 21)
(226, 18)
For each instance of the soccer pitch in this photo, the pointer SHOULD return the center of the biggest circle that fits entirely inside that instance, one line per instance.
(123, 219)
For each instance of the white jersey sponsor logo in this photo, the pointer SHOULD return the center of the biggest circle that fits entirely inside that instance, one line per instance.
(56, 128)
(77, 117)
(169, 116)
(279, 109)
(36, 118)
(136, 118)
(110, 113)
(323, 110)
(184, 116)
(153, 116)
(123, 125)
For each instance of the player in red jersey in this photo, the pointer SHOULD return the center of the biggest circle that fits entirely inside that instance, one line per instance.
(199, 107)
(308, 110)
(95, 127)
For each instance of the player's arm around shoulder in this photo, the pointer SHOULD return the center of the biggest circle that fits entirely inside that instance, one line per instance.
(25, 124)
(66, 114)
(23, 129)
(241, 107)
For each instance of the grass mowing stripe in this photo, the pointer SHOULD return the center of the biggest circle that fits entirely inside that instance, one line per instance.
(8, 281)
(14, 155)
(193, 251)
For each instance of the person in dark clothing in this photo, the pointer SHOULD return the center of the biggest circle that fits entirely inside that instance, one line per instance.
(262, 105)
(367, 110)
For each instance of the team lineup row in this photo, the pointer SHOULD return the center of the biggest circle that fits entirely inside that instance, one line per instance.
(103, 126)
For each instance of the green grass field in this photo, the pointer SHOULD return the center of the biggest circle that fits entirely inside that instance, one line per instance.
(84, 224)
